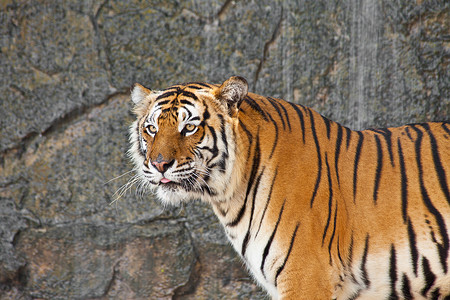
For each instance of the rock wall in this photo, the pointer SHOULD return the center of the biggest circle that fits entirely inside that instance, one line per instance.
(71, 223)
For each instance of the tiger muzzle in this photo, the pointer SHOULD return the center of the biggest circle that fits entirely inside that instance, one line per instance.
(161, 164)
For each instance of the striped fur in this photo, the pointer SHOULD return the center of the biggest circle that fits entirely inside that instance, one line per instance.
(316, 210)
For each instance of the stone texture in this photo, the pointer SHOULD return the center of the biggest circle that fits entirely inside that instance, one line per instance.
(90, 261)
(54, 65)
(72, 224)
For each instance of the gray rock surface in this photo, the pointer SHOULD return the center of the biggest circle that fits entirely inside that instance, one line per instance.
(71, 227)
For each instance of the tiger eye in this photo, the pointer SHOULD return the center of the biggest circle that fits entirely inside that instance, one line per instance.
(151, 129)
(190, 127)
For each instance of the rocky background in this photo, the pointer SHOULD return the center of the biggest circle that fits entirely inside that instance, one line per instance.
(71, 225)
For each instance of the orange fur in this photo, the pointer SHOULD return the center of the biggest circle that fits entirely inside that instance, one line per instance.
(316, 210)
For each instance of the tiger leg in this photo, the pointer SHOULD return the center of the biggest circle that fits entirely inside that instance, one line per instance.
(308, 283)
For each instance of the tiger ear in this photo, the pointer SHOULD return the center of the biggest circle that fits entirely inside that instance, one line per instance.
(139, 93)
(232, 92)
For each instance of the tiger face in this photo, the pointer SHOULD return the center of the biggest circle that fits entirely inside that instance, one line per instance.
(180, 140)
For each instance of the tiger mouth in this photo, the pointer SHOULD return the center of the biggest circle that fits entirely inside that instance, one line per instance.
(170, 185)
(175, 185)
(182, 184)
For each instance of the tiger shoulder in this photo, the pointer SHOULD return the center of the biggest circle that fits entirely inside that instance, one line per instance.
(316, 210)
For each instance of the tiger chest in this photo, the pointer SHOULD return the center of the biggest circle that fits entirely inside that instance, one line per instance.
(261, 263)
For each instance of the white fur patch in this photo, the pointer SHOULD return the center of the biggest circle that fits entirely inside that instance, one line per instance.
(138, 93)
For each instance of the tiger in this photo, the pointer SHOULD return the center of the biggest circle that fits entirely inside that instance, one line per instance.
(314, 209)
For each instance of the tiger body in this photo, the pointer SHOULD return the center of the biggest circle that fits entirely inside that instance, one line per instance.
(316, 210)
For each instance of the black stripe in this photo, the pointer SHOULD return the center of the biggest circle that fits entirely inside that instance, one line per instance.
(186, 102)
(269, 196)
(214, 150)
(275, 142)
(330, 199)
(249, 136)
(406, 288)
(435, 294)
(376, 130)
(300, 117)
(413, 246)
(350, 264)
(444, 247)
(339, 252)
(409, 134)
(363, 263)
(403, 181)
(189, 95)
(287, 116)
(206, 113)
(393, 273)
(355, 295)
(190, 114)
(388, 135)
(181, 165)
(355, 169)
(446, 129)
(255, 106)
(379, 168)
(338, 151)
(319, 161)
(350, 251)
(198, 83)
(280, 269)
(348, 132)
(247, 132)
(332, 235)
(142, 149)
(194, 87)
(327, 125)
(429, 276)
(247, 235)
(350, 267)
(225, 143)
(269, 242)
(255, 166)
(275, 105)
(162, 103)
(222, 211)
(166, 112)
(165, 95)
(440, 172)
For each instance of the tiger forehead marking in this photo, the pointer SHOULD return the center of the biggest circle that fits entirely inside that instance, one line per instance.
(315, 209)
(175, 106)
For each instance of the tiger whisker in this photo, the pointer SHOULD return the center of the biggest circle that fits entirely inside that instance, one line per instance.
(192, 182)
(115, 178)
(197, 183)
(124, 188)
(197, 176)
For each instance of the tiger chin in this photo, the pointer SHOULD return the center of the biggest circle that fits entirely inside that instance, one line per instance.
(316, 210)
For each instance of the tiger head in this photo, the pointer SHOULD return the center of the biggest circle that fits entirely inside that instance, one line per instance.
(182, 143)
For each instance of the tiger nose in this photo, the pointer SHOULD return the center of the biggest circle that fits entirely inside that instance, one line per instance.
(162, 165)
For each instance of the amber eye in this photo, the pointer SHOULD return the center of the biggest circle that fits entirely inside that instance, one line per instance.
(190, 127)
(151, 129)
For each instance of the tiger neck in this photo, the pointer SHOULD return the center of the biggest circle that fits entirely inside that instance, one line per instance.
(243, 211)
(240, 193)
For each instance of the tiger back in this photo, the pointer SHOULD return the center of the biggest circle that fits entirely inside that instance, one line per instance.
(316, 210)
